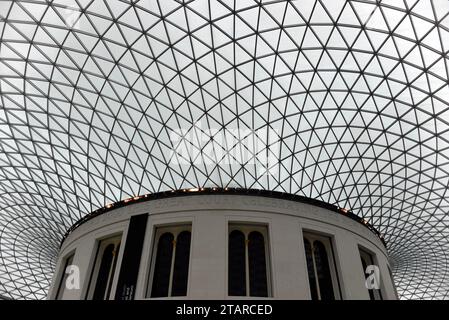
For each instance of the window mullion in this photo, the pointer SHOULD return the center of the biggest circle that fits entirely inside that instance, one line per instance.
(110, 276)
(317, 283)
(268, 262)
(172, 268)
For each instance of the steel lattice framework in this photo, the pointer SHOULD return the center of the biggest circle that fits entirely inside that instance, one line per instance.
(92, 92)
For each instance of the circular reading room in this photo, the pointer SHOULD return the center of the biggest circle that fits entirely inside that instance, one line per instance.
(222, 244)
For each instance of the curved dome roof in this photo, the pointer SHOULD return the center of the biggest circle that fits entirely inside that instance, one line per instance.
(344, 101)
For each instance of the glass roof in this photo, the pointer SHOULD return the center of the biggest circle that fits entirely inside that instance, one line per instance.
(341, 101)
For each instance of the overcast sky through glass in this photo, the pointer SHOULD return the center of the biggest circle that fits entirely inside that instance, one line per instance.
(97, 98)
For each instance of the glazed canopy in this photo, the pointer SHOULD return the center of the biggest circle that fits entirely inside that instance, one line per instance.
(341, 101)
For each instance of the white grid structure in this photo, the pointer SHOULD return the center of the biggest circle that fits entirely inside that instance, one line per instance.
(93, 91)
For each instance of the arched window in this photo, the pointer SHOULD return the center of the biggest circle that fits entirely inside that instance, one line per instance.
(322, 273)
(311, 270)
(248, 261)
(162, 266)
(103, 273)
(237, 264)
(181, 267)
(170, 268)
(100, 284)
(258, 282)
(368, 260)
